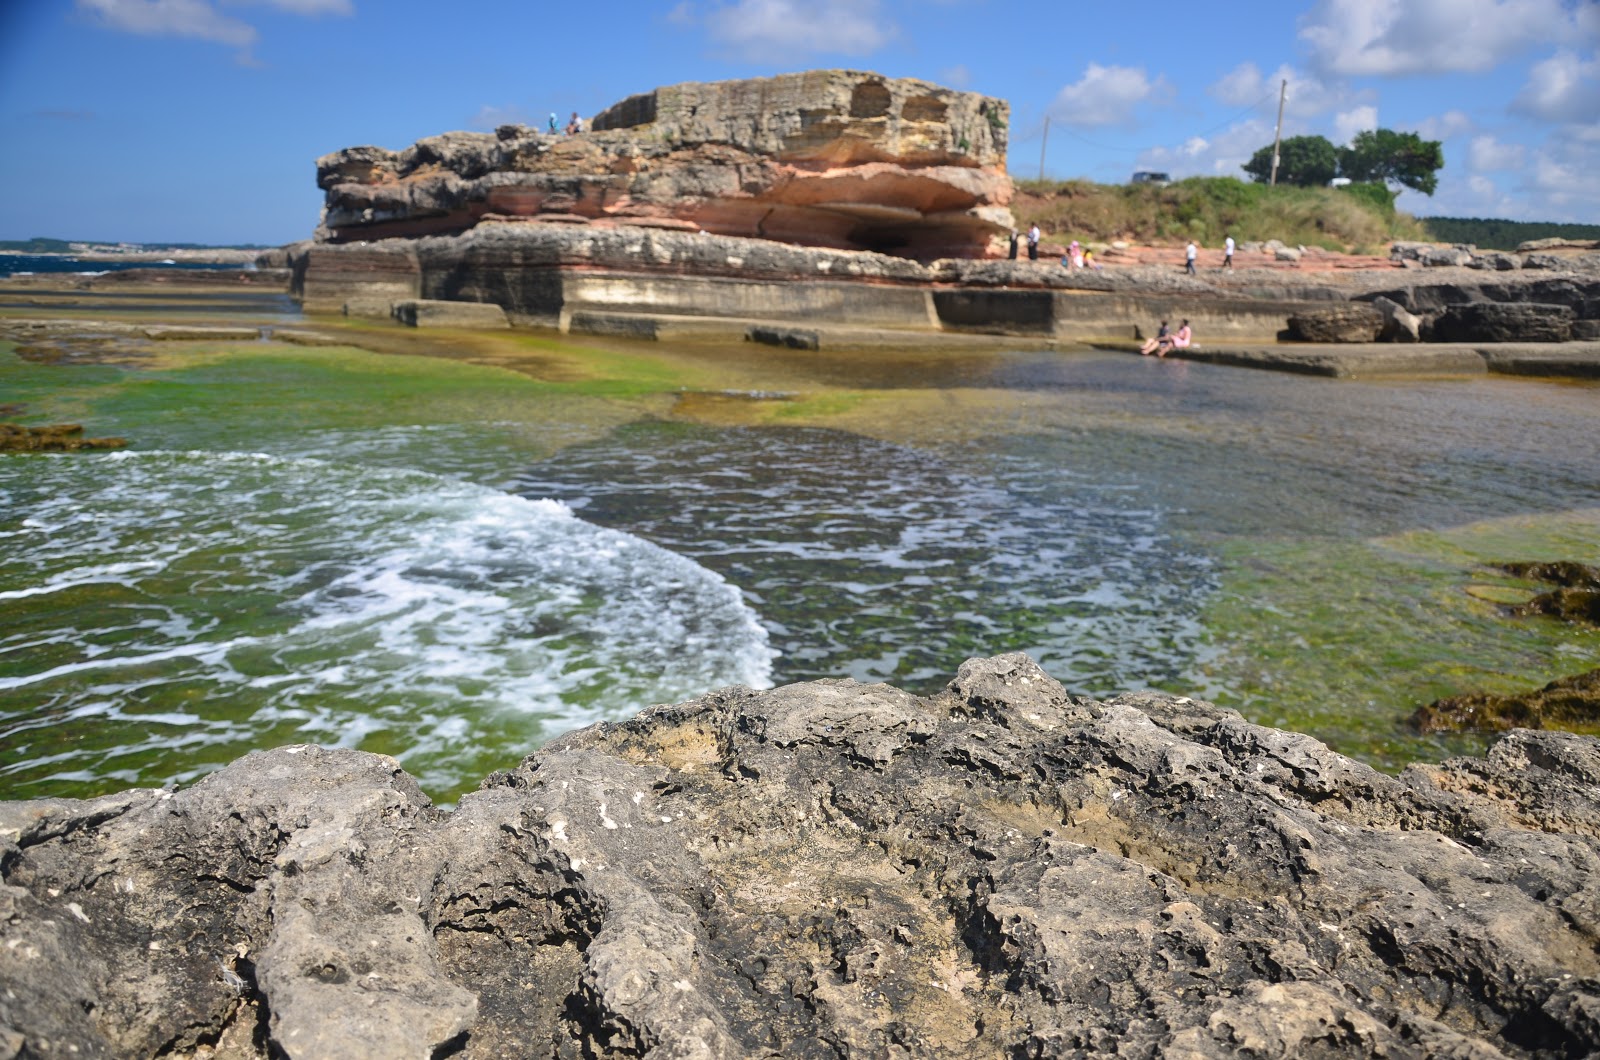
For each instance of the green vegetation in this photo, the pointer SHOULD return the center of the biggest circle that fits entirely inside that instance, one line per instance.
(1390, 157)
(1493, 234)
(1304, 161)
(1358, 217)
(1376, 156)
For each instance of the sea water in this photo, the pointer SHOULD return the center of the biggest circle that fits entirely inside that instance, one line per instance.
(452, 562)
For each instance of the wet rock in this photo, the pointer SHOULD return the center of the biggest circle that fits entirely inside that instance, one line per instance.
(1345, 322)
(55, 438)
(828, 869)
(1568, 703)
(1504, 322)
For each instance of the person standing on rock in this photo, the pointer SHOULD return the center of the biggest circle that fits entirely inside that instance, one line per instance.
(1189, 254)
(1014, 237)
(1227, 253)
(554, 128)
(1033, 242)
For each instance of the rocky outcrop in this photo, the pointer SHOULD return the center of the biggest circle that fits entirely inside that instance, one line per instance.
(55, 438)
(831, 158)
(1504, 322)
(827, 869)
(1346, 322)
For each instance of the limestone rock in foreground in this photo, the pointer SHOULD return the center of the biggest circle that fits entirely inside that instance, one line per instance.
(827, 869)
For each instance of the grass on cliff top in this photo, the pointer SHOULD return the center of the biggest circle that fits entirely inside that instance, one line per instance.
(1360, 219)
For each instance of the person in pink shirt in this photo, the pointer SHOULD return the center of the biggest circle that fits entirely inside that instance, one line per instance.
(1180, 341)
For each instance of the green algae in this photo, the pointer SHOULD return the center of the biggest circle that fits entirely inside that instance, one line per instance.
(1346, 639)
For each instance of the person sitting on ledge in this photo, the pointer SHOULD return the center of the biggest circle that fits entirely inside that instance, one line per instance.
(1151, 345)
(1180, 341)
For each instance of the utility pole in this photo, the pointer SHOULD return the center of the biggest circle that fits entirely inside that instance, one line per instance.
(1042, 145)
(1277, 135)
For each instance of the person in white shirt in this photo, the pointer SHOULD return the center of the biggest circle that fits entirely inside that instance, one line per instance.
(1189, 254)
(1227, 253)
(1033, 242)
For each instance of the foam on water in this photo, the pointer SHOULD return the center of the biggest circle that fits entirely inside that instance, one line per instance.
(165, 611)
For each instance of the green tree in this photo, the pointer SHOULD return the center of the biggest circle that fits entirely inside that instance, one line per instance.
(1307, 161)
(1394, 158)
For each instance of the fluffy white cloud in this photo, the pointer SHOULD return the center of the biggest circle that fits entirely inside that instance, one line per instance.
(789, 30)
(197, 19)
(1485, 154)
(170, 18)
(1563, 88)
(1220, 155)
(1350, 122)
(1106, 95)
(1395, 37)
(1307, 95)
(957, 76)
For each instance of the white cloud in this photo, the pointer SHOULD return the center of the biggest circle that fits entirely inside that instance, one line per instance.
(198, 19)
(1450, 124)
(1350, 122)
(1105, 95)
(1396, 37)
(1307, 96)
(1220, 155)
(1563, 88)
(789, 30)
(300, 7)
(171, 18)
(1485, 154)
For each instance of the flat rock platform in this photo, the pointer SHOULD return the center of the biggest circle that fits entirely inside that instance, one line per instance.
(1576, 360)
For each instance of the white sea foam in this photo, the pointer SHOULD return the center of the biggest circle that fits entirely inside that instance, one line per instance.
(236, 597)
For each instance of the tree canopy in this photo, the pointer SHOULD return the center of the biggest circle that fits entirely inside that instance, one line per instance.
(1306, 161)
(1395, 158)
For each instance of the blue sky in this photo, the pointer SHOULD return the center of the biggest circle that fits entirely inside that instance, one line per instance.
(199, 120)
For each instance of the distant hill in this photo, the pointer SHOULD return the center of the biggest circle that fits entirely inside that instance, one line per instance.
(1492, 234)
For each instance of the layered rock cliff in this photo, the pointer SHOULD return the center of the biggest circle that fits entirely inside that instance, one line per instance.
(829, 158)
(827, 870)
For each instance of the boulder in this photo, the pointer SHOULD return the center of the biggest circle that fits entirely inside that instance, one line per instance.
(832, 158)
(1399, 325)
(1346, 322)
(1504, 322)
(1437, 257)
(1287, 254)
(1495, 261)
(433, 313)
(826, 869)
(1544, 261)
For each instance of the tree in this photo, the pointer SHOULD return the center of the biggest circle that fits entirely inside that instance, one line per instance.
(1308, 161)
(1394, 158)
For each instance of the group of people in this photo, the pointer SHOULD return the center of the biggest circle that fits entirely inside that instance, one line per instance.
(1166, 341)
(1076, 257)
(574, 124)
(1192, 251)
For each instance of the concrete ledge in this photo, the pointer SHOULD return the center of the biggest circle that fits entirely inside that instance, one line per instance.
(431, 313)
(180, 333)
(1569, 360)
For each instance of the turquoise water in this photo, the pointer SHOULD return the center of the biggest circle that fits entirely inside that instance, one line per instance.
(452, 562)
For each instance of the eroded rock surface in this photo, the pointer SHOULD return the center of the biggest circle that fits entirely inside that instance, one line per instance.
(833, 158)
(828, 870)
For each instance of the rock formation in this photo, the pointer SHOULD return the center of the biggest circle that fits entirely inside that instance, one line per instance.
(827, 870)
(830, 158)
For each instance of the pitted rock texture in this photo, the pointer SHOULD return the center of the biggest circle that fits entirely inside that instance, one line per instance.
(832, 158)
(828, 870)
